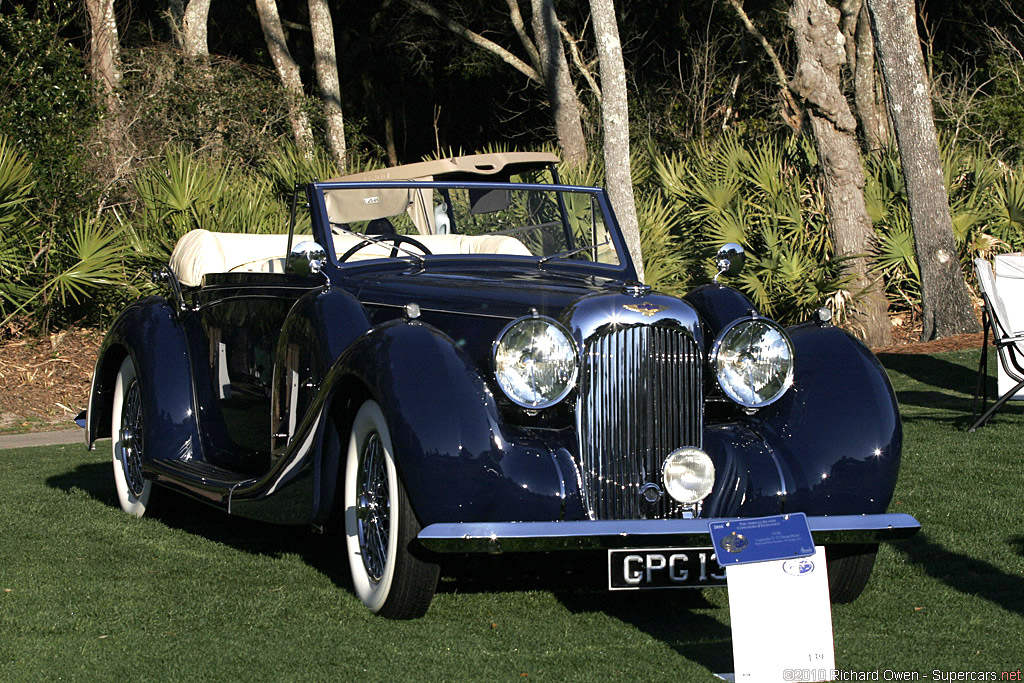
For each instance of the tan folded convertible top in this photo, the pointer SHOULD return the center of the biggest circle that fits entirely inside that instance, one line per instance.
(464, 167)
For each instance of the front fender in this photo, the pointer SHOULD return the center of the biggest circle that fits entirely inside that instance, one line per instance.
(457, 460)
(718, 306)
(837, 433)
(149, 332)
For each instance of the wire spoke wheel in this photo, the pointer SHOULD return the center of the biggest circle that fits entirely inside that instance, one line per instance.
(128, 429)
(380, 527)
(373, 509)
(132, 439)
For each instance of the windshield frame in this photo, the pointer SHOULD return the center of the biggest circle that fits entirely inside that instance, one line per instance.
(322, 227)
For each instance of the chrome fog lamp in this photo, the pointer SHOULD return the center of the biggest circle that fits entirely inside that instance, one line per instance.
(753, 358)
(689, 475)
(535, 362)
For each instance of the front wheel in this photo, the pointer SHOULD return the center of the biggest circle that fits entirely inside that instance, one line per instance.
(128, 442)
(380, 527)
(849, 568)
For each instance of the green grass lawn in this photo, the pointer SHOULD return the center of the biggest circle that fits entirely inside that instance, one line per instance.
(87, 593)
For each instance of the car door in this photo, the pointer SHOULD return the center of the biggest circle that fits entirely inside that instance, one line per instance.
(241, 316)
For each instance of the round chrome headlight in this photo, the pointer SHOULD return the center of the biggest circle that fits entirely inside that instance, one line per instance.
(753, 358)
(535, 362)
(689, 475)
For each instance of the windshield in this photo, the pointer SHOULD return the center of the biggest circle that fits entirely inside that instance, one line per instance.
(372, 221)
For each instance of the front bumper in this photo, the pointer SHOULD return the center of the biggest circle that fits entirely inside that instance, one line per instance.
(511, 537)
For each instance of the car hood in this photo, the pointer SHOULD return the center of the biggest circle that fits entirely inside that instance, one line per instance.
(496, 293)
(473, 306)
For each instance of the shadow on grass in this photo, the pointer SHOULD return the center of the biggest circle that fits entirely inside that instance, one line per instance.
(933, 370)
(95, 479)
(669, 616)
(177, 511)
(579, 581)
(966, 574)
(951, 385)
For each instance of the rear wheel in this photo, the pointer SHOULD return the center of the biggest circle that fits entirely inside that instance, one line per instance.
(380, 527)
(849, 568)
(128, 442)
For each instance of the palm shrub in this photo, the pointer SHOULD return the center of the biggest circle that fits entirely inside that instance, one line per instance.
(50, 268)
(986, 201)
(762, 194)
(16, 225)
(180, 191)
(666, 262)
(286, 166)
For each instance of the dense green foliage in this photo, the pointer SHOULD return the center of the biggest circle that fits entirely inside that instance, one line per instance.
(986, 200)
(47, 104)
(760, 193)
(210, 145)
(48, 265)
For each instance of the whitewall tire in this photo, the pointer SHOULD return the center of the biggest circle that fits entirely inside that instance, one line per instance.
(128, 442)
(380, 527)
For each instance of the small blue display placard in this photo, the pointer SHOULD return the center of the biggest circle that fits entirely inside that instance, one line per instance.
(762, 539)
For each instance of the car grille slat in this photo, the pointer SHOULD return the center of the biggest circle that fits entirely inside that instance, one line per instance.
(640, 398)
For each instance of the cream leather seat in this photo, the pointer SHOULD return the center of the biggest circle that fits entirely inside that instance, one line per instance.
(199, 252)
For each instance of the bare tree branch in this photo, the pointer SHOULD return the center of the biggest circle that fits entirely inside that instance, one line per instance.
(794, 116)
(517, 22)
(477, 39)
(577, 60)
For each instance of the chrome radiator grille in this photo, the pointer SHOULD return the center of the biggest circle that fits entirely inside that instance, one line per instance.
(641, 397)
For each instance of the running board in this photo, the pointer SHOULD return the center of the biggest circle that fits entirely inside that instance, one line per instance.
(203, 480)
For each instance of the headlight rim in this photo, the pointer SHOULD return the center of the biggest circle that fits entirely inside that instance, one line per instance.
(570, 385)
(687, 452)
(717, 345)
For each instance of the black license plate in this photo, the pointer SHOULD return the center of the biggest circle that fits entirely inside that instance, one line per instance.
(636, 569)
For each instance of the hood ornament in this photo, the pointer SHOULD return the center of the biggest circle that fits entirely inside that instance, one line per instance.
(646, 309)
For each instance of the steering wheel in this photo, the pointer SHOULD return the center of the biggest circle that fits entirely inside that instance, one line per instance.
(377, 239)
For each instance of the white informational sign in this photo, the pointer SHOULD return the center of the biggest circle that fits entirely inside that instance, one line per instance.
(1009, 272)
(781, 620)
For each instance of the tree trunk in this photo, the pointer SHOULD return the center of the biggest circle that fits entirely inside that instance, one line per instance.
(946, 306)
(389, 138)
(288, 70)
(104, 51)
(615, 120)
(105, 69)
(820, 52)
(193, 30)
(860, 56)
(327, 75)
(565, 105)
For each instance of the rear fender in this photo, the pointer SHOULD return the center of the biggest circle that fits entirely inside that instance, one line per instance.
(149, 331)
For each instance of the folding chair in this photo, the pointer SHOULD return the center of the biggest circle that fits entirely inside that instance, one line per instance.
(1009, 345)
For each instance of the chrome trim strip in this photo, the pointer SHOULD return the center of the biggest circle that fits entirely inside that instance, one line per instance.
(561, 485)
(474, 314)
(500, 537)
(299, 454)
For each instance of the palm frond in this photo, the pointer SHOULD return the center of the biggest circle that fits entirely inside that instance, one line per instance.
(97, 252)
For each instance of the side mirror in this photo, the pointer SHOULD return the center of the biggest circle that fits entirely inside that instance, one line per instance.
(729, 260)
(306, 258)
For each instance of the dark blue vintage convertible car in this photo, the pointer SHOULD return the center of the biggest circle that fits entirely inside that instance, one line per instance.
(455, 356)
